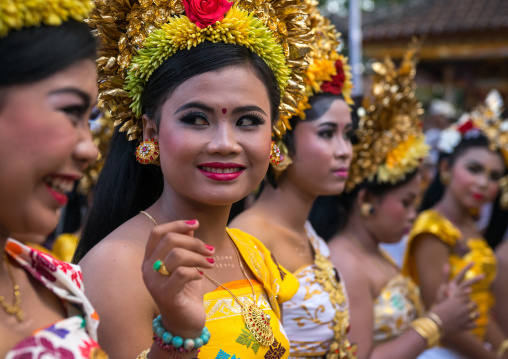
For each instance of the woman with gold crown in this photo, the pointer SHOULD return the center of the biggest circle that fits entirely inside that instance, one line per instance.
(387, 318)
(195, 86)
(473, 162)
(47, 92)
(316, 153)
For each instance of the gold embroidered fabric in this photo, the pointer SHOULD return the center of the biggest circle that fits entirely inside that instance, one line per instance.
(476, 250)
(317, 317)
(398, 304)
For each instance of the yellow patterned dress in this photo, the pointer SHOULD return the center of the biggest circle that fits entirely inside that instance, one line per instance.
(316, 319)
(230, 338)
(462, 252)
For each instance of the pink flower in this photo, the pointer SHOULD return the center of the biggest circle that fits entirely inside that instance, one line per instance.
(335, 86)
(206, 12)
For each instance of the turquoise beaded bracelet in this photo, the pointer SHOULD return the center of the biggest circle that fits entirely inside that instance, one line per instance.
(179, 342)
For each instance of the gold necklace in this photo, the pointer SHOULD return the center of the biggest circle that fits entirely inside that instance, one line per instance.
(257, 322)
(12, 309)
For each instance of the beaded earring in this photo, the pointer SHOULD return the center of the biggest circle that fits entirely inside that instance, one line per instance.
(148, 152)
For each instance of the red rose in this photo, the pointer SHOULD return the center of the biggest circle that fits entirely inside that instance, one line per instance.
(335, 86)
(465, 127)
(206, 12)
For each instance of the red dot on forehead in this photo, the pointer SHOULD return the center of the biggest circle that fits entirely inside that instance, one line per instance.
(224, 111)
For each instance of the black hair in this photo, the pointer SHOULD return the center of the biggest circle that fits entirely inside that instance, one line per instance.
(329, 214)
(320, 104)
(125, 186)
(436, 189)
(498, 223)
(35, 53)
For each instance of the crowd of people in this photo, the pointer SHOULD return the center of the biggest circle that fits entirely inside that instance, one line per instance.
(213, 102)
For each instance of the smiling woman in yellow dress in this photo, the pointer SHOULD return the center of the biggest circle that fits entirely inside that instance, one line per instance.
(195, 88)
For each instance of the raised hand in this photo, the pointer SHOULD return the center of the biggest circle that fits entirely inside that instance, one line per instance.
(178, 292)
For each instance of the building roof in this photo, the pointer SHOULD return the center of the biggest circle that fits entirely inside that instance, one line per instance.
(435, 18)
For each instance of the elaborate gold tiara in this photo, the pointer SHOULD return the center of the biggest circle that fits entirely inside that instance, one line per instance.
(328, 71)
(390, 139)
(16, 14)
(136, 36)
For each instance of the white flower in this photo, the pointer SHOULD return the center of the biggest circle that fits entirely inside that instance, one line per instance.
(448, 140)
(504, 126)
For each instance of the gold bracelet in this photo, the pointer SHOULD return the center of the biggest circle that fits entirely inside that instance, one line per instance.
(437, 320)
(144, 354)
(502, 348)
(428, 329)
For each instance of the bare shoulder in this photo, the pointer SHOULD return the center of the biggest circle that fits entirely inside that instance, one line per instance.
(257, 225)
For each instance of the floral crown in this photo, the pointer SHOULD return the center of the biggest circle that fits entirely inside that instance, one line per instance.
(328, 71)
(391, 143)
(17, 14)
(138, 35)
(484, 119)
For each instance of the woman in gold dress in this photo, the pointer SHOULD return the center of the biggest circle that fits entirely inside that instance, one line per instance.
(472, 165)
(387, 318)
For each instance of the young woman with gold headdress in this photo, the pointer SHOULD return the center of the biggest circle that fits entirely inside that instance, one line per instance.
(196, 87)
(316, 153)
(387, 318)
(472, 165)
(47, 92)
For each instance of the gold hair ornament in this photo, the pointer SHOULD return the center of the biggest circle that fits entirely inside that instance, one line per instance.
(328, 71)
(125, 28)
(17, 14)
(391, 143)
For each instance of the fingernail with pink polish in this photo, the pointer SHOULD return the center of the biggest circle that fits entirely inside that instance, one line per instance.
(191, 222)
(200, 272)
(210, 260)
(209, 247)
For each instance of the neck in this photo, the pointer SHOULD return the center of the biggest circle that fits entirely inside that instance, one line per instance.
(355, 230)
(287, 205)
(451, 209)
(212, 218)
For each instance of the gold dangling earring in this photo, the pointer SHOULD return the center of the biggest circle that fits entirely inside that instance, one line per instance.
(148, 152)
(366, 210)
(444, 177)
(274, 154)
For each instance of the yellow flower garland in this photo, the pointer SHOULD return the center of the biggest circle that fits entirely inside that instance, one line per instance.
(238, 27)
(16, 14)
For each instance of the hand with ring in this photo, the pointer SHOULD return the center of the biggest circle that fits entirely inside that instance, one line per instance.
(170, 275)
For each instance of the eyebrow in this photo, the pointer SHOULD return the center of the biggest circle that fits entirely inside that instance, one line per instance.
(206, 108)
(333, 124)
(83, 95)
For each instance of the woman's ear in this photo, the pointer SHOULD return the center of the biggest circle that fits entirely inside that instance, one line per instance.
(149, 128)
(365, 202)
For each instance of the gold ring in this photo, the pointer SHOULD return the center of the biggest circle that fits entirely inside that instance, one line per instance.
(159, 266)
(473, 315)
(471, 306)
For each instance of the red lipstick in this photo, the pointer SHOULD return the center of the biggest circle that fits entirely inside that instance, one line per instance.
(341, 172)
(60, 197)
(222, 172)
(478, 196)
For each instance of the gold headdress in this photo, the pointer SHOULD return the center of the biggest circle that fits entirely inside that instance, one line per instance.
(390, 138)
(328, 71)
(484, 119)
(17, 14)
(138, 35)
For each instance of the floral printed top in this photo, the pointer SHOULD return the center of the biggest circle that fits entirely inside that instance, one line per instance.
(72, 338)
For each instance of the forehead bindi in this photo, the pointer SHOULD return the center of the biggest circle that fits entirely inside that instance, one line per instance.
(224, 111)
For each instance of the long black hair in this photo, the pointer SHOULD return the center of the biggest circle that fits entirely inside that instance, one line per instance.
(498, 222)
(124, 186)
(35, 53)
